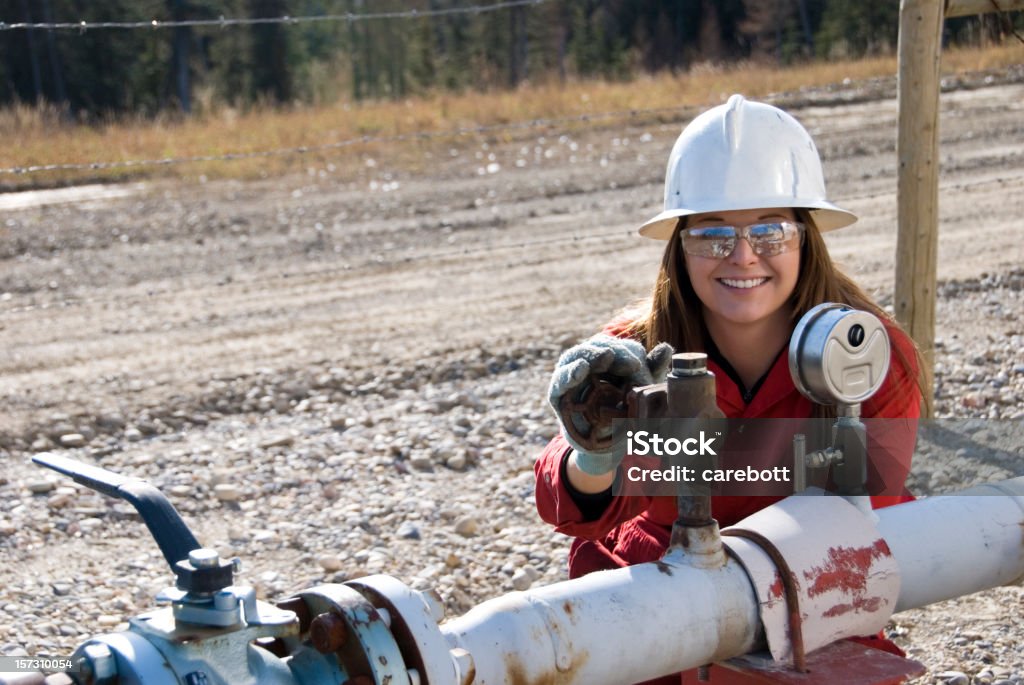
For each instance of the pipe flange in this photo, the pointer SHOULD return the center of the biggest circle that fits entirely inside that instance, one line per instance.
(413, 625)
(358, 632)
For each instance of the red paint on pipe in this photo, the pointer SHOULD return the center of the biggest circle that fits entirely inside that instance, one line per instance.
(867, 605)
(846, 569)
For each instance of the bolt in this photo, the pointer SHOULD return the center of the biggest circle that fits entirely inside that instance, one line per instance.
(98, 664)
(689, 364)
(328, 633)
(204, 558)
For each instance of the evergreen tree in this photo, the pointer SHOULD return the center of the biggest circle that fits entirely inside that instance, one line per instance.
(147, 70)
(269, 63)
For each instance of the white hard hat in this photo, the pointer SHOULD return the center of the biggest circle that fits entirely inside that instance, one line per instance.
(744, 155)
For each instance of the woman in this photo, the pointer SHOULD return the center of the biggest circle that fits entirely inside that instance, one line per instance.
(745, 208)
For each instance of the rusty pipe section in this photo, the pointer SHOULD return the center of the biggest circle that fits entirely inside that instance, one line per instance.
(653, 619)
(672, 616)
(948, 546)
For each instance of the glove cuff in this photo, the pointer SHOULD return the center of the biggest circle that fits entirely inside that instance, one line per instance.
(595, 464)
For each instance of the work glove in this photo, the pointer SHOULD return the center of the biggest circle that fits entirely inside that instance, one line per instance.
(621, 358)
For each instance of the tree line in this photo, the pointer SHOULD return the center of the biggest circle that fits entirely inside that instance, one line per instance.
(102, 71)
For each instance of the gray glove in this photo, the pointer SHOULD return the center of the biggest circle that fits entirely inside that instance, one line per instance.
(604, 354)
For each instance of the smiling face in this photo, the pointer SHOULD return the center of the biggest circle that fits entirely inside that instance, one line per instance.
(744, 288)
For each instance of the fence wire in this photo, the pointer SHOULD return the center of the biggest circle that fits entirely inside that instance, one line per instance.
(224, 22)
(337, 145)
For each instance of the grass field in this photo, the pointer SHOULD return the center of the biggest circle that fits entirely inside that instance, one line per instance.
(43, 138)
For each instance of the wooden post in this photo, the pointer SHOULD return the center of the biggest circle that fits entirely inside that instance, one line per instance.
(917, 191)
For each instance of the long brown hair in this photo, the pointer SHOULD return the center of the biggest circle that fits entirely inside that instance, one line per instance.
(674, 313)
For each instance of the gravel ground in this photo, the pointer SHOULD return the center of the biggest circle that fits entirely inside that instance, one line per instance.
(331, 379)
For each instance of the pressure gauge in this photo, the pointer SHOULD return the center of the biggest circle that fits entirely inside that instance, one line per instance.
(838, 355)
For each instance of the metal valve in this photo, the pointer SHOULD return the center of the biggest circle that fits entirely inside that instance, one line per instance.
(589, 412)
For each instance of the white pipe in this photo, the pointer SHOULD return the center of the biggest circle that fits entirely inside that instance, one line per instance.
(653, 619)
(953, 545)
(612, 627)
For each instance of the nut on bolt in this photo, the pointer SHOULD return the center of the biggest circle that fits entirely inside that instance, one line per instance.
(98, 665)
(328, 632)
(204, 557)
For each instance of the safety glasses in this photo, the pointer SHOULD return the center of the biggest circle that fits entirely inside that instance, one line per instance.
(766, 240)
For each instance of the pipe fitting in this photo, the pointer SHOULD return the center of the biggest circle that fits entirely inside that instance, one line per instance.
(464, 665)
(435, 605)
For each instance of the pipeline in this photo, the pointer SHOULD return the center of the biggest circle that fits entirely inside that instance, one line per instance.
(631, 624)
(974, 540)
(607, 628)
(612, 627)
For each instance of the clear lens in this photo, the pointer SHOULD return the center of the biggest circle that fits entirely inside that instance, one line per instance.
(766, 240)
(713, 241)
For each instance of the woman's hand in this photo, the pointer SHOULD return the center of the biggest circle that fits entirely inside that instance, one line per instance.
(621, 358)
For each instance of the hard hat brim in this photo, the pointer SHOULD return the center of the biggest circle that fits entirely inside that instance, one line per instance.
(826, 216)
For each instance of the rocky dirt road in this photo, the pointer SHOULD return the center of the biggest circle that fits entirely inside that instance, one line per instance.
(334, 378)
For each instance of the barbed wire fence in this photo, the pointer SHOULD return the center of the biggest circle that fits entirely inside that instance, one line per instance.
(224, 22)
(341, 144)
(676, 113)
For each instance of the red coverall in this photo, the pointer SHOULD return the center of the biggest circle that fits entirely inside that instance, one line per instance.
(633, 530)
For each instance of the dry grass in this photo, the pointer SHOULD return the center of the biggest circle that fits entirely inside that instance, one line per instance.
(43, 138)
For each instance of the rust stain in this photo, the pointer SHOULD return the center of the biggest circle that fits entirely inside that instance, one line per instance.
(570, 612)
(846, 569)
(680, 537)
(663, 567)
(518, 674)
(776, 590)
(861, 604)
